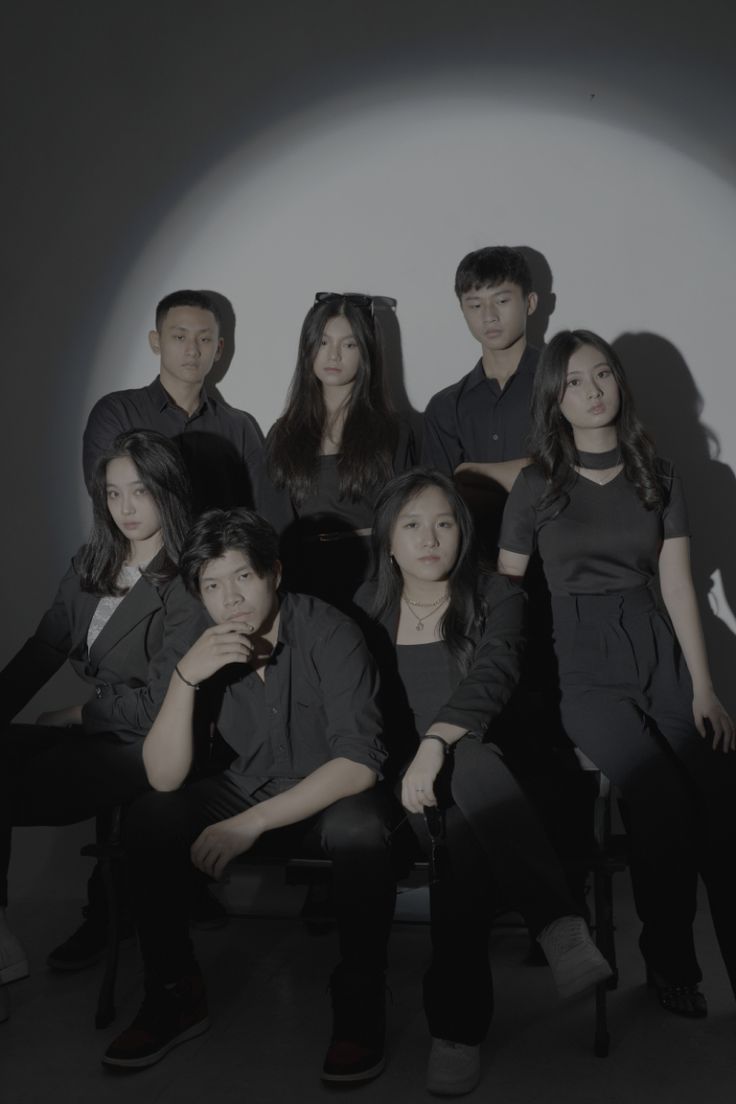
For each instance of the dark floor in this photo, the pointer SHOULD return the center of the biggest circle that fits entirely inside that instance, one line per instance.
(270, 1015)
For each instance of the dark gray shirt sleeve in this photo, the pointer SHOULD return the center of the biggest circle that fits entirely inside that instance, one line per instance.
(349, 687)
(484, 691)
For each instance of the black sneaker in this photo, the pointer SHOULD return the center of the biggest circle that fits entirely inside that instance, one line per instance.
(167, 1017)
(85, 946)
(356, 1052)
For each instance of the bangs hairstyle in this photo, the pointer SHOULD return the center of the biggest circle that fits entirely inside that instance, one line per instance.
(187, 298)
(490, 267)
(370, 429)
(161, 471)
(552, 444)
(216, 532)
(465, 609)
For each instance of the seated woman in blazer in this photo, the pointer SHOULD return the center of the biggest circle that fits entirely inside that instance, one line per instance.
(123, 618)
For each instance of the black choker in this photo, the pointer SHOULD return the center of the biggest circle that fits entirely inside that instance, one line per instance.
(599, 461)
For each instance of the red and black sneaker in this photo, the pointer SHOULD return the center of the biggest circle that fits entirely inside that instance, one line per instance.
(356, 1052)
(347, 1060)
(168, 1016)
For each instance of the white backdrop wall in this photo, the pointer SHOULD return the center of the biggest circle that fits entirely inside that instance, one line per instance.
(268, 154)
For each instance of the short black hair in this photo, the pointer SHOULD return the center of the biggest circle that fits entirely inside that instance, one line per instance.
(186, 298)
(216, 532)
(490, 267)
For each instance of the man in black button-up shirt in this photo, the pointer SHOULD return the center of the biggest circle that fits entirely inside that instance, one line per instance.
(291, 689)
(222, 447)
(477, 428)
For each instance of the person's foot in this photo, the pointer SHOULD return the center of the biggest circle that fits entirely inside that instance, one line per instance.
(357, 1049)
(13, 958)
(169, 1015)
(453, 1068)
(575, 961)
(683, 1000)
(86, 946)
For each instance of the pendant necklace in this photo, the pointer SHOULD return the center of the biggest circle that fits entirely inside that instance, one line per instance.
(431, 606)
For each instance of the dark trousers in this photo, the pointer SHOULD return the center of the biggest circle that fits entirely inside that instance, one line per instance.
(57, 776)
(354, 833)
(627, 703)
(491, 838)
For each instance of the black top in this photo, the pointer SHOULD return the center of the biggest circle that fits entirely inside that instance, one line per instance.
(426, 672)
(327, 511)
(222, 447)
(317, 702)
(598, 539)
(129, 664)
(475, 420)
(476, 699)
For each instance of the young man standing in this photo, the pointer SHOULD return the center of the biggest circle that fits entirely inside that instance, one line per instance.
(222, 447)
(290, 687)
(476, 429)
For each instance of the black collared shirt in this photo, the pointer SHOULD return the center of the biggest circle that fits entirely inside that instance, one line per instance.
(222, 447)
(316, 703)
(475, 420)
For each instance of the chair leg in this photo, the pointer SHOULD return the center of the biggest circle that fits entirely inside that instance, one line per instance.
(106, 999)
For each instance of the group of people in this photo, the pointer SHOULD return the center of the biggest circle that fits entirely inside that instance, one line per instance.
(312, 644)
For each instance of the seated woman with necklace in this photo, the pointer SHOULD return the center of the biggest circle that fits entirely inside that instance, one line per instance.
(448, 646)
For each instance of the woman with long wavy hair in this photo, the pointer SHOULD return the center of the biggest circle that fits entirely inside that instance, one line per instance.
(608, 518)
(448, 643)
(122, 618)
(334, 447)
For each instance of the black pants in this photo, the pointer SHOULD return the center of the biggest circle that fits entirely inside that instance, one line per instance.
(354, 833)
(51, 776)
(627, 703)
(492, 837)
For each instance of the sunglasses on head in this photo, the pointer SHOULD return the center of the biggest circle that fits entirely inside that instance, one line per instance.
(366, 302)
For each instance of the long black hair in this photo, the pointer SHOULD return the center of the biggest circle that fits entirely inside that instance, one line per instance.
(465, 608)
(370, 429)
(161, 471)
(552, 445)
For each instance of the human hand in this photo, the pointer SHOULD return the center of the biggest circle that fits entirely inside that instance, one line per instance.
(61, 718)
(713, 721)
(417, 785)
(220, 843)
(216, 647)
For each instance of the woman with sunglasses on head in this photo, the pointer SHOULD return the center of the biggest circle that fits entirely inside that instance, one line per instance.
(448, 644)
(609, 519)
(336, 444)
(122, 618)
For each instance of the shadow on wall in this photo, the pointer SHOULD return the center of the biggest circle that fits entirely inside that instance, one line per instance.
(227, 333)
(670, 406)
(389, 336)
(538, 324)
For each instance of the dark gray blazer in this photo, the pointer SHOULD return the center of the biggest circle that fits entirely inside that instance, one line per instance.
(129, 664)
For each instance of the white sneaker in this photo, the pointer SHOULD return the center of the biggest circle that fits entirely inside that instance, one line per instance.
(13, 958)
(453, 1069)
(574, 959)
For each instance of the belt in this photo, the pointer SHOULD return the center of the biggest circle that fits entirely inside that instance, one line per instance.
(602, 607)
